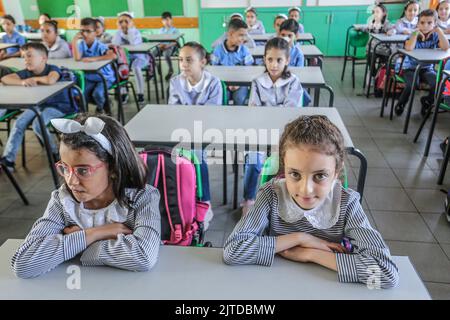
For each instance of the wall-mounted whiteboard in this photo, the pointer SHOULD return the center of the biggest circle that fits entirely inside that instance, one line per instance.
(275, 3)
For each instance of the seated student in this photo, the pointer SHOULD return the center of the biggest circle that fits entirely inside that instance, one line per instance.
(232, 52)
(44, 17)
(57, 47)
(379, 24)
(279, 19)
(288, 31)
(248, 42)
(255, 26)
(276, 87)
(427, 36)
(11, 36)
(168, 48)
(102, 36)
(304, 214)
(294, 13)
(129, 35)
(90, 50)
(196, 86)
(408, 21)
(37, 72)
(443, 21)
(104, 211)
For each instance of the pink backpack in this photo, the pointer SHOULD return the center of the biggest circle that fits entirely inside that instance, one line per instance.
(182, 215)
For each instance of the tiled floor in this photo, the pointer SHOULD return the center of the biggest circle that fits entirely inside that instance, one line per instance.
(402, 199)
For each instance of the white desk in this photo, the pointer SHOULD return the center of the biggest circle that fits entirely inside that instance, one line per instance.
(310, 77)
(163, 37)
(69, 63)
(307, 37)
(157, 124)
(7, 45)
(191, 273)
(309, 51)
(19, 97)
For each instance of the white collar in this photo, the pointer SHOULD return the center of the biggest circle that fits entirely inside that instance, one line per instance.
(324, 216)
(267, 82)
(200, 86)
(87, 218)
(56, 45)
(225, 47)
(415, 20)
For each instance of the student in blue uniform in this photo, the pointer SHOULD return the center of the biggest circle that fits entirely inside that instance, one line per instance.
(11, 36)
(168, 48)
(87, 48)
(248, 42)
(307, 216)
(37, 72)
(232, 52)
(294, 13)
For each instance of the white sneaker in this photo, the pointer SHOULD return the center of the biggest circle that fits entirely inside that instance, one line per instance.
(246, 206)
(208, 217)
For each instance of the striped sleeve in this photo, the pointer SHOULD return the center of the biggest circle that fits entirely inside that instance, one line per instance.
(371, 263)
(249, 242)
(137, 251)
(46, 246)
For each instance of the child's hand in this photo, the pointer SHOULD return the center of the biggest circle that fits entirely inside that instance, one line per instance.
(110, 231)
(71, 229)
(162, 46)
(298, 254)
(390, 32)
(310, 241)
(233, 88)
(77, 37)
(31, 82)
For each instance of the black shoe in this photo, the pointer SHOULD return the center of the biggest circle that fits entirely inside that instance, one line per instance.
(124, 98)
(169, 75)
(426, 105)
(140, 98)
(10, 166)
(99, 111)
(443, 145)
(399, 109)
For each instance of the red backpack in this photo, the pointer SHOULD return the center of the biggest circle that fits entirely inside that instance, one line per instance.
(123, 68)
(182, 214)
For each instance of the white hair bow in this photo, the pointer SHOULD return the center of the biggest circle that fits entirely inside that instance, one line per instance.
(92, 127)
(131, 14)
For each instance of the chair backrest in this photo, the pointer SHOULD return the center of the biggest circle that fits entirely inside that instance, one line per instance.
(357, 38)
(81, 80)
(225, 93)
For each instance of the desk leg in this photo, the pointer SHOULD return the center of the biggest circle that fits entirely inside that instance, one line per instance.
(15, 184)
(330, 90)
(48, 149)
(444, 165)
(161, 80)
(362, 170)
(411, 99)
(236, 177)
(316, 97)
(320, 59)
(372, 66)
(368, 63)
(224, 164)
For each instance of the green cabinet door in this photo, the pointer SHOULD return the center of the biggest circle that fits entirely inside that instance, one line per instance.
(318, 23)
(340, 21)
(211, 27)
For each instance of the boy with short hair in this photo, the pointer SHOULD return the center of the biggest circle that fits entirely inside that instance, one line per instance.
(37, 72)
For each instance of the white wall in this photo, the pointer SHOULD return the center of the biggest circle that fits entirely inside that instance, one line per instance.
(13, 8)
